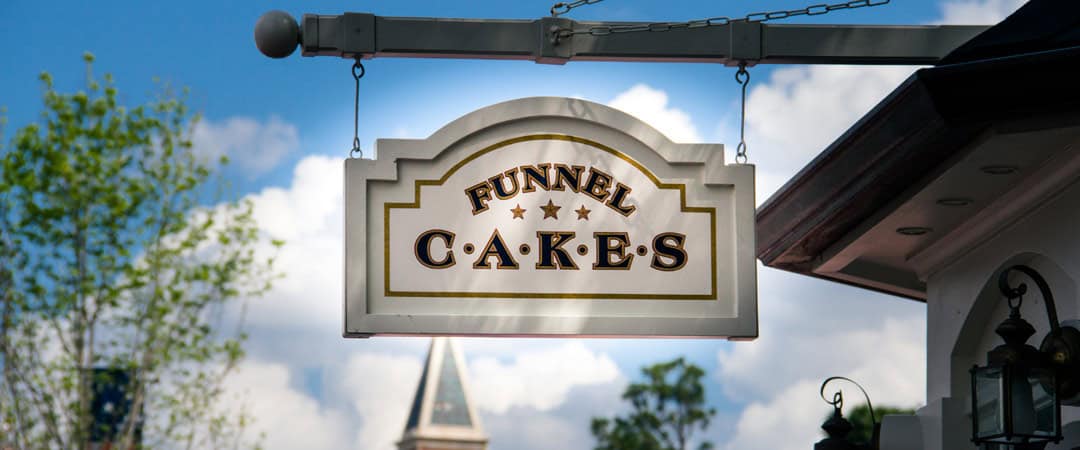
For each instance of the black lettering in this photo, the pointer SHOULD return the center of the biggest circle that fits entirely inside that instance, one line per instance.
(567, 176)
(612, 244)
(500, 191)
(537, 174)
(496, 247)
(479, 194)
(422, 249)
(616, 200)
(597, 185)
(669, 246)
(551, 254)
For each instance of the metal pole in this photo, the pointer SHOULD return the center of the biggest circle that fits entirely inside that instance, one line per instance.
(363, 35)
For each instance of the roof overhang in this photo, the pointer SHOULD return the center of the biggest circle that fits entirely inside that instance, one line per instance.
(922, 158)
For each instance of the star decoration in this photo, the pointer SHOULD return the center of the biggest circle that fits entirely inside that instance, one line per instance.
(518, 212)
(583, 213)
(550, 210)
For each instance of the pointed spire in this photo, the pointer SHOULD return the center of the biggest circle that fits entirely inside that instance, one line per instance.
(442, 412)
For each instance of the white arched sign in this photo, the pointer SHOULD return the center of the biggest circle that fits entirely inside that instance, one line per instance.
(549, 217)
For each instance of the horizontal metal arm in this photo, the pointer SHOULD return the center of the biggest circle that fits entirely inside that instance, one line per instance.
(353, 35)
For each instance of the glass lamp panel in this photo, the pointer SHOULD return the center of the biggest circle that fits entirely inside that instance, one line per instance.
(1022, 408)
(1046, 421)
(989, 399)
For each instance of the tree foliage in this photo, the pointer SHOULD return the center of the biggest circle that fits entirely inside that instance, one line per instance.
(668, 407)
(862, 430)
(109, 267)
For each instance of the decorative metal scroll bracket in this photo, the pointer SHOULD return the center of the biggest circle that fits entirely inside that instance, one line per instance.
(1062, 344)
(837, 427)
(364, 35)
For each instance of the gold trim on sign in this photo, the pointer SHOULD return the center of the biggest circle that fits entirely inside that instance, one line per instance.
(546, 137)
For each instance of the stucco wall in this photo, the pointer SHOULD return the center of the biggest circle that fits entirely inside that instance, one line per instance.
(964, 306)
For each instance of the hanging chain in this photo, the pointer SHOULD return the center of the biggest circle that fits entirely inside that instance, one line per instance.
(743, 78)
(561, 8)
(604, 30)
(357, 74)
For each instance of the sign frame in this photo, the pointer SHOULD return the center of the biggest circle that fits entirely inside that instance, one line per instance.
(696, 171)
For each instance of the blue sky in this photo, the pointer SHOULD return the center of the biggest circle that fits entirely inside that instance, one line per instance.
(287, 125)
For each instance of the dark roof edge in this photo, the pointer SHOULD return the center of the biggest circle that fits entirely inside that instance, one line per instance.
(1038, 25)
(848, 282)
(827, 186)
(916, 128)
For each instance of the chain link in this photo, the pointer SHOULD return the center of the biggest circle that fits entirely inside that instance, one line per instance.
(357, 73)
(561, 8)
(604, 30)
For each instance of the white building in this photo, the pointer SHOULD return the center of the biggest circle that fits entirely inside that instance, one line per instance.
(967, 168)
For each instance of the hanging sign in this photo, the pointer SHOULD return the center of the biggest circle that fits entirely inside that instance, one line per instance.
(549, 217)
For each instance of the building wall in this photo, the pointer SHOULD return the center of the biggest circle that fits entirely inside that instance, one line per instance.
(964, 306)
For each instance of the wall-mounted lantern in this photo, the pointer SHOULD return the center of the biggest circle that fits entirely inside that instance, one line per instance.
(1016, 397)
(837, 427)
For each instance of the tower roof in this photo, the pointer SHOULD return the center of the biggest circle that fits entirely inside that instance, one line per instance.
(441, 410)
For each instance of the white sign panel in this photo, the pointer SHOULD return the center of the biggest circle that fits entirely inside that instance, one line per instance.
(549, 217)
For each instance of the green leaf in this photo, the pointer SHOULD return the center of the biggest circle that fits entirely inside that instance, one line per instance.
(668, 405)
(98, 234)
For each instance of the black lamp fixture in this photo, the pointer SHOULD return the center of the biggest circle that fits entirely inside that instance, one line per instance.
(1016, 397)
(837, 427)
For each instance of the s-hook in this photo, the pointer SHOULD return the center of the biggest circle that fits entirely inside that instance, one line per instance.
(357, 73)
(743, 78)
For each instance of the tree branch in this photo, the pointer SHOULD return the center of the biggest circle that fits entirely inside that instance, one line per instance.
(40, 401)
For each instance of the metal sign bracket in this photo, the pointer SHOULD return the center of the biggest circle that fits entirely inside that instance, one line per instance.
(553, 40)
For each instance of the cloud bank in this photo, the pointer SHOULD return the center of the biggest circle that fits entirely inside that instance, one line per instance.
(309, 388)
(255, 146)
(356, 393)
(651, 105)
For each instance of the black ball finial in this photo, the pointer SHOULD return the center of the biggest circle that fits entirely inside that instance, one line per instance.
(277, 34)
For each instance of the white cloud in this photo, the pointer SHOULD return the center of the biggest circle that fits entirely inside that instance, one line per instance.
(978, 12)
(823, 329)
(538, 379)
(256, 147)
(799, 111)
(535, 390)
(651, 106)
(797, 410)
(376, 388)
(564, 427)
(541, 395)
(297, 326)
(307, 216)
(812, 330)
(284, 416)
(529, 429)
(369, 384)
(381, 387)
(890, 356)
